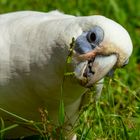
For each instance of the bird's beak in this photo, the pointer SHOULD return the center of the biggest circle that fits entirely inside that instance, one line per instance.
(100, 67)
(90, 72)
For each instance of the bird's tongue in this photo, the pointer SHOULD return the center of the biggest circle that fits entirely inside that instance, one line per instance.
(98, 68)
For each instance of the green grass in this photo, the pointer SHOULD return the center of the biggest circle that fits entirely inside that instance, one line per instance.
(116, 116)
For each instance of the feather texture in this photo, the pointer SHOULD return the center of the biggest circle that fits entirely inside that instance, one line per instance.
(33, 51)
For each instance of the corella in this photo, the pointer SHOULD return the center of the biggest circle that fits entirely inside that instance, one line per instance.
(34, 47)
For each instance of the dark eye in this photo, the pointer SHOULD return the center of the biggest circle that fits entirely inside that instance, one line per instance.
(92, 37)
(95, 35)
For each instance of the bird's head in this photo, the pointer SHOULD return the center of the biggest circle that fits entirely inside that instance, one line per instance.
(103, 45)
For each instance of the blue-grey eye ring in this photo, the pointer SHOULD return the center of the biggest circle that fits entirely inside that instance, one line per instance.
(95, 35)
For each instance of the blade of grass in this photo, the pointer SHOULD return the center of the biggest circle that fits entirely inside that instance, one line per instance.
(61, 113)
(9, 128)
(2, 127)
(16, 116)
(23, 119)
(124, 127)
(99, 116)
(83, 131)
(131, 91)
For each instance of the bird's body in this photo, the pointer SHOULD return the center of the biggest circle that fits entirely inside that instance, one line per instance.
(28, 73)
(33, 51)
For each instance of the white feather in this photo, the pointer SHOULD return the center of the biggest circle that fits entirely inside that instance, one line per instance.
(33, 50)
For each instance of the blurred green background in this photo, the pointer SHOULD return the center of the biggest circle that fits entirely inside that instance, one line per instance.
(117, 115)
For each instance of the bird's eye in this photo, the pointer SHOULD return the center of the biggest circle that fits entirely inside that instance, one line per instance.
(95, 35)
(92, 37)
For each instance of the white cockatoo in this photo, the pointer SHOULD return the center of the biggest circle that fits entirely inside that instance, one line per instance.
(34, 47)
